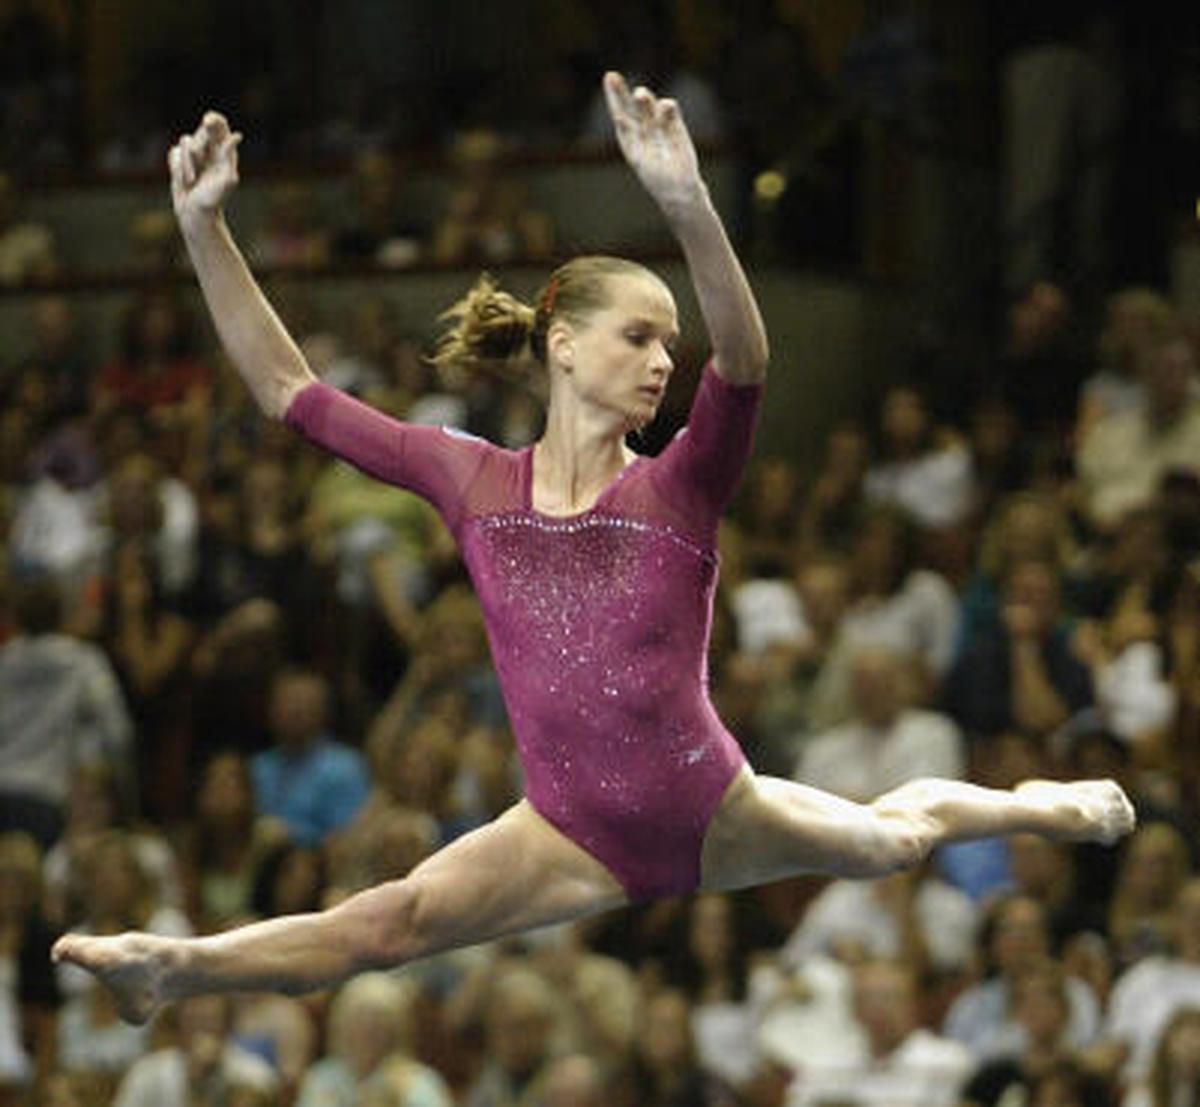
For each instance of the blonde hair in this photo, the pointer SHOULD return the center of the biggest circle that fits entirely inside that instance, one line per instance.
(389, 998)
(491, 329)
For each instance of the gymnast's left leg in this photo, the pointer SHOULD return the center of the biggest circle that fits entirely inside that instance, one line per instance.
(768, 829)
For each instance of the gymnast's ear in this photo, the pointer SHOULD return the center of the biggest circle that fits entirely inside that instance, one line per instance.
(560, 344)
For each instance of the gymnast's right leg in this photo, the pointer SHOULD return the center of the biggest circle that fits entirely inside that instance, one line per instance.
(514, 874)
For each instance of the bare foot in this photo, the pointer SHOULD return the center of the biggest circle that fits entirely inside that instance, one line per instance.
(1082, 810)
(131, 966)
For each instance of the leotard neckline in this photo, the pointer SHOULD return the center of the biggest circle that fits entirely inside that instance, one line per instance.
(605, 492)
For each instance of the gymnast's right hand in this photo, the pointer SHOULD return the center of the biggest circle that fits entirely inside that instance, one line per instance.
(204, 168)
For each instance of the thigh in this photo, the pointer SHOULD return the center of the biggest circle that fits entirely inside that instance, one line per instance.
(514, 874)
(767, 828)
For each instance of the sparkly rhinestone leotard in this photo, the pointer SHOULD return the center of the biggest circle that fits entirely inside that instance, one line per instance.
(598, 622)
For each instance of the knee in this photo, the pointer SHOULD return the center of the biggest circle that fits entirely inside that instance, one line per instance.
(388, 925)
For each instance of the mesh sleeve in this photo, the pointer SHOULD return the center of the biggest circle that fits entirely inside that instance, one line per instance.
(704, 462)
(435, 463)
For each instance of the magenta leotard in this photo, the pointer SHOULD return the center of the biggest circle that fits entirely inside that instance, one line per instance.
(598, 622)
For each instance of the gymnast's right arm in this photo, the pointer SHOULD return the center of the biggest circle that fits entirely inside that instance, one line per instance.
(203, 172)
(425, 460)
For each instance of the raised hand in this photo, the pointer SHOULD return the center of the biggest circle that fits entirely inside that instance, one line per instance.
(204, 167)
(655, 142)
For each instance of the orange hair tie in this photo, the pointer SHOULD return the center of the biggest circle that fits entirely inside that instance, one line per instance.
(550, 295)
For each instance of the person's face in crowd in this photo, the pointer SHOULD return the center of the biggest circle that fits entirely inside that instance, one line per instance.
(133, 498)
(710, 931)
(1038, 317)
(423, 766)
(1152, 866)
(298, 708)
(368, 1039)
(53, 325)
(159, 325)
(885, 1004)
(775, 491)
(618, 359)
(1140, 544)
(876, 554)
(666, 1039)
(573, 1081)
(824, 589)
(1036, 863)
(518, 1031)
(1040, 1006)
(1028, 531)
(905, 421)
(264, 490)
(1020, 938)
(225, 798)
(1032, 590)
(847, 454)
(877, 685)
(994, 432)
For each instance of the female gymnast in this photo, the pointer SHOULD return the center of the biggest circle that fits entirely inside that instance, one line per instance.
(595, 571)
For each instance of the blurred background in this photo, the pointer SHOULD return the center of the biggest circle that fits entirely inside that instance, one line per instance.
(239, 679)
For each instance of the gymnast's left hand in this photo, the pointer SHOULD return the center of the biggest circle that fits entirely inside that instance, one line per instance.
(656, 144)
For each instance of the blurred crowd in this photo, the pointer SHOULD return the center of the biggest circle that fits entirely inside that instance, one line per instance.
(238, 678)
(253, 681)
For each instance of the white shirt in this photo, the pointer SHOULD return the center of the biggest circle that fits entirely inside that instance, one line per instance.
(861, 762)
(921, 618)
(851, 910)
(160, 1079)
(1143, 1000)
(925, 1070)
(937, 488)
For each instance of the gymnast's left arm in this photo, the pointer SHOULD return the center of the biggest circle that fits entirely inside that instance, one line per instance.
(658, 148)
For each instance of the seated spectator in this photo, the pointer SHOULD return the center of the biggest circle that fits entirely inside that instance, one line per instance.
(768, 524)
(1014, 938)
(96, 808)
(886, 741)
(370, 1027)
(519, 1038)
(27, 249)
(921, 469)
(60, 704)
(1131, 316)
(28, 988)
(1022, 673)
(832, 507)
(912, 916)
(665, 1069)
(1152, 871)
(1123, 459)
(1001, 458)
(60, 350)
(202, 1059)
(1174, 1076)
(1045, 870)
(896, 1062)
(1041, 1007)
(488, 217)
(309, 781)
(225, 843)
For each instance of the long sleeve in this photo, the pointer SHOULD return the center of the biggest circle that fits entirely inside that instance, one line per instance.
(434, 462)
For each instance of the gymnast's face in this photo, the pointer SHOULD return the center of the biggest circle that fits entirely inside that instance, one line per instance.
(618, 360)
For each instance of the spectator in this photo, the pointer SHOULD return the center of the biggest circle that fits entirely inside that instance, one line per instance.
(379, 228)
(1123, 459)
(1041, 1006)
(886, 741)
(370, 1026)
(1152, 871)
(896, 1062)
(1022, 673)
(309, 781)
(1174, 1077)
(921, 469)
(291, 236)
(60, 704)
(203, 1063)
(1014, 937)
(832, 508)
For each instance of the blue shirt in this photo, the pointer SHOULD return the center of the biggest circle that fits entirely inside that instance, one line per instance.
(313, 792)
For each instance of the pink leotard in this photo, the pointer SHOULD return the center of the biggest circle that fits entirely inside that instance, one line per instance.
(598, 622)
